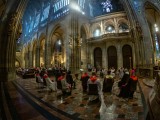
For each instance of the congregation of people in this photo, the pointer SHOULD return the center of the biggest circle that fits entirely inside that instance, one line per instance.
(94, 84)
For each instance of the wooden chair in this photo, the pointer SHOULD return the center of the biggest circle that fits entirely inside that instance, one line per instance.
(93, 89)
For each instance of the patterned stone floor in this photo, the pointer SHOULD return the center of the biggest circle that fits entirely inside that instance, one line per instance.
(33, 103)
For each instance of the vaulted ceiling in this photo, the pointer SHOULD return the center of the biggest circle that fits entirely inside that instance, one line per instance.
(32, 6)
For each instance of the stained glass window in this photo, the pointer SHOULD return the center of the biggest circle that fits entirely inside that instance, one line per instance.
(101, 7)
(156, 44)
(107, 6)
(45, 13)
(27, 27)
(81, 3)
(31, 26)
(37, 20)
(137, 5)
(59, 5)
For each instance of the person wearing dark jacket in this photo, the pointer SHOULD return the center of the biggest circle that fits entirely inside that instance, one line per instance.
(84, 79)
(133, 84)
(124, 86)
(69, 79)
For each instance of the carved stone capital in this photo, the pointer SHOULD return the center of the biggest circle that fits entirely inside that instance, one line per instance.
(12, 23)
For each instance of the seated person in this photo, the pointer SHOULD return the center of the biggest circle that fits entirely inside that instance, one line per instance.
(93, 80)
(65, 87)
(50, 84)
(39, 79)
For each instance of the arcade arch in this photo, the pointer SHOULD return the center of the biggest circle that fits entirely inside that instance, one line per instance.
(57, 47)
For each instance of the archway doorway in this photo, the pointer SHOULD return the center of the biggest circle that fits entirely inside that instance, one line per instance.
(98, 58)
(58, 53)
(57, 47)
(112, 57)
(127, 56)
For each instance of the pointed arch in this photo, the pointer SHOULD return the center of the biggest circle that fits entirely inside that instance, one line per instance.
(127, 56)
(98, 57)
(112, 57)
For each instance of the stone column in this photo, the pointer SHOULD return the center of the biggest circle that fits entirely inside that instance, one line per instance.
(84, 53)
(48, 55)
(106, 55)
(91, 55)
(30, 59)
(67, 50)
(104, 61)
(75, 62)
(26, 60)
(38, 56)
(119, 55)
(116, 26)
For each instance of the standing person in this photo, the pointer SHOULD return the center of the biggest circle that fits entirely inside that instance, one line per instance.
(124, 85)
(133, 84)
(69, 79)
(108, 82)
(84, 80)
(121, 73)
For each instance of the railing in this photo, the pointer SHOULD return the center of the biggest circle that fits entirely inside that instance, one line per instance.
(111, 36)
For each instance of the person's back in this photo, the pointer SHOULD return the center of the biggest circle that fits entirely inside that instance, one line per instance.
(133, 84)
(124, 85)
(84, 79)
(94, 82)
(108, 82)
(65, 87)
(49, 83)
(69, 78)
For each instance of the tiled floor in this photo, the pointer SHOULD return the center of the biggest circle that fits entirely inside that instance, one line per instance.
(32, 103)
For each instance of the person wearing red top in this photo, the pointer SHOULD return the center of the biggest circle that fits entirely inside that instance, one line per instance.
(49, 83)
(94, 80)
(133, 84)
(63, 85)
(84, 79)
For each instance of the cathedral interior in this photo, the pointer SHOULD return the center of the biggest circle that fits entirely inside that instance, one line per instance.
(78, 35)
